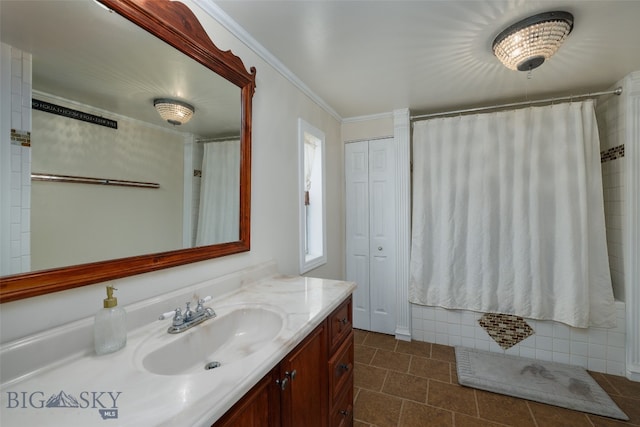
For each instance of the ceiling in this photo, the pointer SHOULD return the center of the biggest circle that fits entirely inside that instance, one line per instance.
(369, 57)
(87, 54)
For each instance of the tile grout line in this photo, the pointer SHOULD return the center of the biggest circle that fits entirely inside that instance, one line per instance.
(533, 417)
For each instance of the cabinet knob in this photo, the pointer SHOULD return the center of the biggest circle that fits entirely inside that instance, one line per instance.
(379, 248)
(282, 383)
(344, 367)
(343, 321)
(345, 412)
(291, 374)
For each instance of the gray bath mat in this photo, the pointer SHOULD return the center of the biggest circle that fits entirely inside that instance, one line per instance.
(546, 382)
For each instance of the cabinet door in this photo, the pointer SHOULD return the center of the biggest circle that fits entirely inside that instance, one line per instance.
(258, 408)
(304, 392)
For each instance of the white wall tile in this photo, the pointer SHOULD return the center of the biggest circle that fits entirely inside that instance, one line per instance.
(544, 355)
(561, 357)
(544, 343)
(579, 349)
(598, 349)
(544, 329)
(615, 354)
(597, 365)
(598, 336)
(561, 345)
(561, 331)
(579, 361)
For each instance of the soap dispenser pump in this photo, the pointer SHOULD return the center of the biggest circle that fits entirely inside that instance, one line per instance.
(110, 327)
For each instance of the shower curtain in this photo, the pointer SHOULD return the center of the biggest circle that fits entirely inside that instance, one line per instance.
(219, 215)
(508, 215)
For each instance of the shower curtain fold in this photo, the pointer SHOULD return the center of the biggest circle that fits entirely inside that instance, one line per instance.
(219, 214)
(508, 215)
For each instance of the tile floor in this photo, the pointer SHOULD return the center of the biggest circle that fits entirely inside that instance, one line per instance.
(398, 383)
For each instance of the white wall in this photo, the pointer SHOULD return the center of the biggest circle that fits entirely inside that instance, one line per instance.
(277, 104)
(367, 127)
(79, 223)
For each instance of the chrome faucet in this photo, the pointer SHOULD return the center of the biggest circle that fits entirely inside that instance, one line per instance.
(190, 318)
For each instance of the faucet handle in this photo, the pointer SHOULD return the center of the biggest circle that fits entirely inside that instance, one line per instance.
(177, 316)
(201, 301)
(168, 314)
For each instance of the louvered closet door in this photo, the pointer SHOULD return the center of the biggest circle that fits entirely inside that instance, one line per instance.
(371, 252)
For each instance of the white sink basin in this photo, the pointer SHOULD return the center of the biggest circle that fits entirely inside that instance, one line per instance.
(234, 334)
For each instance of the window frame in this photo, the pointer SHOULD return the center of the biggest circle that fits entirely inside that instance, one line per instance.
(315, 259)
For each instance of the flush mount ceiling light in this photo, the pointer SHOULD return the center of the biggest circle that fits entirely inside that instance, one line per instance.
(527, 44)
(173, 111)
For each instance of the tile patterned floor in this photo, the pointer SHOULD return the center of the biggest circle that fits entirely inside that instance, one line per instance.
(398, 383)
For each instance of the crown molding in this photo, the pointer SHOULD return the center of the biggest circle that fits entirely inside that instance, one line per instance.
(355, 119)
(241, 34)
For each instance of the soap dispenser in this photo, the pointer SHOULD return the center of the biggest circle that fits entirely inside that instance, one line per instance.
(110, 327)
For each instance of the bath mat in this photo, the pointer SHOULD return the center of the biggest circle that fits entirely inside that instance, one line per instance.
(546, 382)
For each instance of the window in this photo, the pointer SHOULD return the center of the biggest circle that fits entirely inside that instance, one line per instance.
(311, 160)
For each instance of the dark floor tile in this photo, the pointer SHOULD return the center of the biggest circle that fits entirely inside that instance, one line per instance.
(503, 409)
(624, 386)
(607, 422)
(391, 360)
(461, 420)
(359, 335)
(406, 386)
(417, 415)
(454, 398)
(443, 352)
(629, 406)
(429, 368)
(548, 415)
(368, 377)
(454, 374)
(602, 380)
(416, 348)
(385, 342)
(378, 409)
(363, 353)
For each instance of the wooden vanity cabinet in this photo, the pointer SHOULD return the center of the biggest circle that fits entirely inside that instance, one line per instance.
(304, 398)
(340, 366)
(312, 386)
(260, 407)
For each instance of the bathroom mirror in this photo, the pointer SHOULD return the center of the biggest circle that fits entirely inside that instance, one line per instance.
(191, 55)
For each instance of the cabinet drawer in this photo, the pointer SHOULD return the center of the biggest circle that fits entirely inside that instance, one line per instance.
(340, 324)
(341, 369)
(342, 412)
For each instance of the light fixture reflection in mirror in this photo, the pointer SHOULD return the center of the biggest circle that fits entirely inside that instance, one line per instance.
(174, 111)
(174, 23)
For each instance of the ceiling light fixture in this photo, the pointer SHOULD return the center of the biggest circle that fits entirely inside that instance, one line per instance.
(527, 44)
(173, 111)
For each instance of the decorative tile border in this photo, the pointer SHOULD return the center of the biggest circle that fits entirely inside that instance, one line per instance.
(612, 154)
(506, 329)
(22, 138)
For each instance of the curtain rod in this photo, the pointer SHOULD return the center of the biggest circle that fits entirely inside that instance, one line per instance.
(616, 91)
(222, 138)
(88, 180)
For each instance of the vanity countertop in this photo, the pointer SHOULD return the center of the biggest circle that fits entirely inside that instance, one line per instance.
(115, 389)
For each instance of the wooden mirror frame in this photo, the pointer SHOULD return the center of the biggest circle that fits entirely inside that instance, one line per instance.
(174, 23)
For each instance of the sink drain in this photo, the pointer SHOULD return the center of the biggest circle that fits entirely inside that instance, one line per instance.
(212, 365)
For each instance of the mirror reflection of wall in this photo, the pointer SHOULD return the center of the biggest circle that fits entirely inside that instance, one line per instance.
(77, 223)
